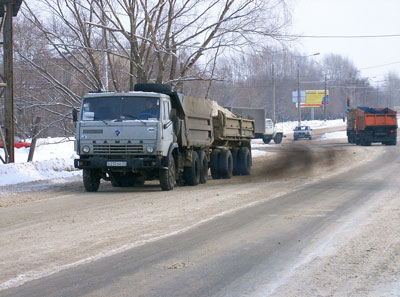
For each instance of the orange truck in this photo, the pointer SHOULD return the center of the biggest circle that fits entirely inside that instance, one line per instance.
(366, 125)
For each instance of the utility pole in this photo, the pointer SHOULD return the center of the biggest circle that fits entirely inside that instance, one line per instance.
(298, 97)
(8, 9)
(8, 79)
(273, 94)
(104, 53)
(325, 100)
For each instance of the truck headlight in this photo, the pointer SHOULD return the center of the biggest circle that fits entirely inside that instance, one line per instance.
(150, 149)
(85, 149)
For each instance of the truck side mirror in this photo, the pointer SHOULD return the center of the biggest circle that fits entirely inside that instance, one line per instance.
(74, 115)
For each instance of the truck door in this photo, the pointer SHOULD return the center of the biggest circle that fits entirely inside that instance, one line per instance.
(166, 127)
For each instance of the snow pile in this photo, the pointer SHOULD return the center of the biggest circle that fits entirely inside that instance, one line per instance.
(53, 158)
(34, 171)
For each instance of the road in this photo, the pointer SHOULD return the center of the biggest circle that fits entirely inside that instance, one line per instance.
(282, 232)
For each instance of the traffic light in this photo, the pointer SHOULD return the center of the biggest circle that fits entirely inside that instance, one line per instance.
(348, 102)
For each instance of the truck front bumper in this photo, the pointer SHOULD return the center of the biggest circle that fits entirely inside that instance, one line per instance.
(102, 163)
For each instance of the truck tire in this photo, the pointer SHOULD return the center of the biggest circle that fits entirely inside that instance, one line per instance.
(167, 176)
(364, 141)
(245, 161)
(225, 163)
(235, 158)
(214, 164)
(192, 174)
(203, 167)
(350, 137)
(266, 139)
(91, 180)
(278, 138)
(392, 142)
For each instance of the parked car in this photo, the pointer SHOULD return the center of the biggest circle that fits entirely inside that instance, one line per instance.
(302, 132)
(18, 143)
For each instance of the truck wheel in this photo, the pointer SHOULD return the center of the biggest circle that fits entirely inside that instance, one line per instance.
(192, 174)
(278, 138)
(266, 139)
(235, 158)
(245, 161)
(364, 142)
(214, 164)
(167, 176)
(91, 180)
(225, 163)
(203, 167)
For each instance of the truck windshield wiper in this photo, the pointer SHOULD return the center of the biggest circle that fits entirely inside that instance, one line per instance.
(133, 117)
(98, 119)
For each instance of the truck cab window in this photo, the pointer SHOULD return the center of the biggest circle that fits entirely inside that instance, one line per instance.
(166, 111)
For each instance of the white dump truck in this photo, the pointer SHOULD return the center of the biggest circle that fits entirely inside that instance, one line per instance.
(155, 133)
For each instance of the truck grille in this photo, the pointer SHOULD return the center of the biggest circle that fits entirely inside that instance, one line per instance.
(118, 149)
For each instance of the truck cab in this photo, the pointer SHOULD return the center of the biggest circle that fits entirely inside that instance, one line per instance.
(272, 132)
(122, 137)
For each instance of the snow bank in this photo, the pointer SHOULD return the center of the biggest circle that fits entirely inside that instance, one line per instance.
(34, 171)
(289, 126)
(53, 158)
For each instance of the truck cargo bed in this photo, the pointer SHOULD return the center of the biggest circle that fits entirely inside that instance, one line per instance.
(232, 129)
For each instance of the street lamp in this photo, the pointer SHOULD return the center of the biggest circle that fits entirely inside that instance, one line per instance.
(298, 88)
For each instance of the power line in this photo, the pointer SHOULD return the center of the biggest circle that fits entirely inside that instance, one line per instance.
(393, 63)
(339, 36)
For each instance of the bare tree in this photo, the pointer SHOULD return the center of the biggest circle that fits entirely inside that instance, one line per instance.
(161, 40)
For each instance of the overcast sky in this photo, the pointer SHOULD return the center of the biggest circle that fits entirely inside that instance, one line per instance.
(352, 17)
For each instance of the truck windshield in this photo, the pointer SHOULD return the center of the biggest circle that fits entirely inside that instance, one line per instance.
(120, 108)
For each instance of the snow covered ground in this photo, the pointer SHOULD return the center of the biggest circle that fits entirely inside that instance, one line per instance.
(54, 157)
(289, 126)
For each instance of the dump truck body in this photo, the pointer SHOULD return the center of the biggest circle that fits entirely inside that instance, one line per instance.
(175, 141)
(366, 125)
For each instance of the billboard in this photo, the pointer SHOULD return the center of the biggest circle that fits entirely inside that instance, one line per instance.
(315, 98)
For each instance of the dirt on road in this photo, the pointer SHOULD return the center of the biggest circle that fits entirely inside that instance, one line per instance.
(46, 227)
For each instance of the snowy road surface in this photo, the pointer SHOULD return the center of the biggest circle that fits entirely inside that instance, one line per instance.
(311, 220)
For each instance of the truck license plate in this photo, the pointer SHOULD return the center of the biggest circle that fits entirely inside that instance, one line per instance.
(116, 164)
